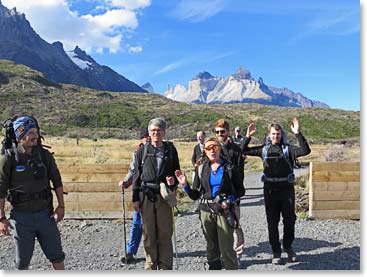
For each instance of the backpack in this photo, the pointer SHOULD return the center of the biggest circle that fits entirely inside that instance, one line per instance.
(145, 151)
(285, 149)
(9, 148)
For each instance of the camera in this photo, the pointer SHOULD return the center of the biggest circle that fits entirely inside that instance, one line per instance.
(225, 204)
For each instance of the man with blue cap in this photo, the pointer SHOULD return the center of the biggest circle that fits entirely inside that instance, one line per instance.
(25, 171)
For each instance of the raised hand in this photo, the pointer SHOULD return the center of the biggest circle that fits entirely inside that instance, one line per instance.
(181, 177)
(251, 129)
(170, 180)
(295, 126)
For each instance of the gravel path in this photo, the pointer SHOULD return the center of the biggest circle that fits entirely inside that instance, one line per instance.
(98, 244)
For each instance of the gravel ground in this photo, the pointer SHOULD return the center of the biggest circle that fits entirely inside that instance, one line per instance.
(98, 244)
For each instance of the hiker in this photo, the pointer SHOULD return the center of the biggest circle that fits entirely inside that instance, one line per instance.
(196, 155)
(216, 184)
(237, 138)
(233, 153)
(25, 170)
(136, 227)
(278, 160)
(154, 195)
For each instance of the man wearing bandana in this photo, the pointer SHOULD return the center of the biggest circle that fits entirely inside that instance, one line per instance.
(25, 172)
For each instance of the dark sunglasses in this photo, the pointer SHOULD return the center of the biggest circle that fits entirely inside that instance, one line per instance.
(220, 131)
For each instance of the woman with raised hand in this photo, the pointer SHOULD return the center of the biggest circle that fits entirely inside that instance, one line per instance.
(213, 185)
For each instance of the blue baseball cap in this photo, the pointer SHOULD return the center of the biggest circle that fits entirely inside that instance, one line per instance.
(21, 126)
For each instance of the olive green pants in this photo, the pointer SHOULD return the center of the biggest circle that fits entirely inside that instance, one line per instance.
(157, 230)
(239, 239)
(219, 238)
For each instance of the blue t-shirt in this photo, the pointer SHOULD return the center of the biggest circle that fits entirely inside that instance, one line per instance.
(215, 180)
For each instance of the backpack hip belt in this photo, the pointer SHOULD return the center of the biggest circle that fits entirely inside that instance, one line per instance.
(290, 179)
(18, 197)
(151, 185)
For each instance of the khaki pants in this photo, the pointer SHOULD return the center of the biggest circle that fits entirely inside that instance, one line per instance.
(157, 230)
(219, 238)
(238, 237)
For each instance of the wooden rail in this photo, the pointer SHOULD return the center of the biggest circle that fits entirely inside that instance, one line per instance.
(334, 190)
(93, 191)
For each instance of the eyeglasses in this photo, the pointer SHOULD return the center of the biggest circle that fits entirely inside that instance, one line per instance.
(220, 131)
(212, 147)
(156, 130)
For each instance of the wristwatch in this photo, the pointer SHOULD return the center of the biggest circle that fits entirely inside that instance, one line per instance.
(2, 218)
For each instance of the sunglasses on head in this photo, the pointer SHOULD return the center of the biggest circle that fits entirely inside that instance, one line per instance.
(212, 147)
(220, 131)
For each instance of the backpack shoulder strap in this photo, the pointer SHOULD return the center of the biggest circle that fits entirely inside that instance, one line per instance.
(200, 170)
(286, 155)
(145, 154)
(264, 153)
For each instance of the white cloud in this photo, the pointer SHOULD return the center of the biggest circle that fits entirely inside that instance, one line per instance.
(131, 4)
(199, 58)
(197, 10)
(54, 21)
(135, 49)
(113, 18)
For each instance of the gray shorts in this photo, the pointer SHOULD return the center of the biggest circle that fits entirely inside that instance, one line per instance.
(40, 225)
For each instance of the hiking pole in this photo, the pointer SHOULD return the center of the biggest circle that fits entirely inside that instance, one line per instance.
(174, 236)
(124, 222)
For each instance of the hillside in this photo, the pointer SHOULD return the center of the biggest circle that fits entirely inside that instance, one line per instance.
(75, 111)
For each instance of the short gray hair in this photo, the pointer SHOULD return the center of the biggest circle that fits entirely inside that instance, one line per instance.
(160, 122)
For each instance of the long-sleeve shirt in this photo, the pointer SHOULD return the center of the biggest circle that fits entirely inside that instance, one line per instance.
(19, 177)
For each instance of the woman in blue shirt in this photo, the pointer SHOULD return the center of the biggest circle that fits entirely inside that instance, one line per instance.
(214, 185)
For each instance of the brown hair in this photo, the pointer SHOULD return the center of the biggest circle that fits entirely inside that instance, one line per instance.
(275, 126)
(203, 155)
(222, 123)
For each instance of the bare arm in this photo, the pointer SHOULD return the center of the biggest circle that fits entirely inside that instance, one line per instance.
(60, 209)
(4, 223)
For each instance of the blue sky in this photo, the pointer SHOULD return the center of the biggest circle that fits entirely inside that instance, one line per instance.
(311, 46)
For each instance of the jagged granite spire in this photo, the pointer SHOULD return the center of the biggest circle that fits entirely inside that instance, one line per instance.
(204, 75)
(242, 73)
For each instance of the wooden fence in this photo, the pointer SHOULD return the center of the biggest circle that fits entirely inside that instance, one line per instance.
(93, 190)
(334, 190)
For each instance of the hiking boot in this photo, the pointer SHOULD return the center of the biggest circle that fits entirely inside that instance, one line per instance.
(276, 258)
(292, 257)
(129, 259)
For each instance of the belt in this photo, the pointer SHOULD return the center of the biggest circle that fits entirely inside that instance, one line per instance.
(151, 185)
(290, 179)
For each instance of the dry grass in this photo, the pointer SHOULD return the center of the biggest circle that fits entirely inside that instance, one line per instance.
(120, 151)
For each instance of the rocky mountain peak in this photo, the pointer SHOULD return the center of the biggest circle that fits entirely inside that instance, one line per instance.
(148, 87)
(81, 54)
(237, 88)
(204, 75)
(242, 73)
(21, 44)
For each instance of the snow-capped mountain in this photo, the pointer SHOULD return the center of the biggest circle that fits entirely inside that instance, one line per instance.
(240, 87)
(21, 44)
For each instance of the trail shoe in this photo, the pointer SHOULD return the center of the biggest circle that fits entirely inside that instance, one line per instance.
(276, 258)
(129, 259)
(292, 257)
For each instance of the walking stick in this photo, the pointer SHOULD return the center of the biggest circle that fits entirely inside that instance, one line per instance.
(124, 222)
(174, 236)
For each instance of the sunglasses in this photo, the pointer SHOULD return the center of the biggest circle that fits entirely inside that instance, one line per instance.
(220, 131)
(212, 147)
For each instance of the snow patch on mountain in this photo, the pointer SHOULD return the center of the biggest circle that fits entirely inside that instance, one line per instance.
(79, 62)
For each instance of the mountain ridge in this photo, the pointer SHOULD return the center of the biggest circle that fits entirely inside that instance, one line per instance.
(239, 87)
(21, 44)
(73, 111)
